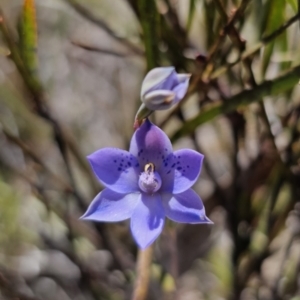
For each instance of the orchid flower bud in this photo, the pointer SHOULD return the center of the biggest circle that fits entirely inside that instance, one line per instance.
(163, 87)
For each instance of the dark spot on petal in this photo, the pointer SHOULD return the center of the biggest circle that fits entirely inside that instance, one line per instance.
(169, 172)
(137, 165)
(163, 157)
(115, 161)
(173, 166)
(179, 156)
(188, 166)
(129, 164)
(166, 165)
(178, 163)
(179, 168)
(119, 169)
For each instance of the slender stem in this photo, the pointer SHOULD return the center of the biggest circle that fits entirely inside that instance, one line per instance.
(143, 274)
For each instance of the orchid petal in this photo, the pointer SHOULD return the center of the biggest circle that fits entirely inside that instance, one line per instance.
(151, 145)
(109, 206)
(181, 89)
(116, 169)
(186, 207)
(147, 220)
(183, 77)
(159, 78)
(182, 172)
(159, 99)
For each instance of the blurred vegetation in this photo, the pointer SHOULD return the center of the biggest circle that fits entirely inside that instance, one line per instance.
(70, 73)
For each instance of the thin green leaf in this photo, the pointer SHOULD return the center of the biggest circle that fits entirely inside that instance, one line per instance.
(28, 37)
(149, 21)
(283, 45)
(267, 53)
(210, 22)
(30, 80)
(192, 8)
(275, 17)
(293, 4)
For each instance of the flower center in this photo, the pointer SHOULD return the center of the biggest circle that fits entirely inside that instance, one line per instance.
(150, 181)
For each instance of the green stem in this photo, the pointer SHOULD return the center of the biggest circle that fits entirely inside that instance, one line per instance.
(149, 20)
(143, 271)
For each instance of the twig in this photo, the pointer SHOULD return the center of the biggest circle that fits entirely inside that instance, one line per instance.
(100, 23)
(247, 62)
(201, 80)
(99, 50)
(229, 30)
(249, 53)
(246, 54)
(143, 271)
(268, 87)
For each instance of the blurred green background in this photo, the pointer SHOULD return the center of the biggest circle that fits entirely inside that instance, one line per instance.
(70, 77)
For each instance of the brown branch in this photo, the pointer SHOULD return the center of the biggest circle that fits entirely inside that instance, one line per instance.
(99, 50)
(202, 80)
(229, 30)
(195, 82)
(101, 24)
(247, 62)
(249, 53)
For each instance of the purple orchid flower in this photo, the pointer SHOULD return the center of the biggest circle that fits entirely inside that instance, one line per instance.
(163, 87)
(147, 184)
